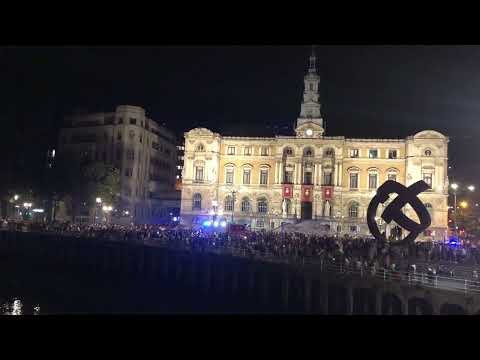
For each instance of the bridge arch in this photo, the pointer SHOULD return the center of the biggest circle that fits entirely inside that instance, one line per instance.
(452, 309)
(419, 306)
(391, 305)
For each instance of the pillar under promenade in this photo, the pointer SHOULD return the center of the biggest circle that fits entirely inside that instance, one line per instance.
(349, 294)
(285, 290)
(378, 302)
(308, 295)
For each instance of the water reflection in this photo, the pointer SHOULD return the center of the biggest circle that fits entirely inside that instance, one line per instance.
(16, 307)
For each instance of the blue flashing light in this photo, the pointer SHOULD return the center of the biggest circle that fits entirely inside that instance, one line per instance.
(223, 223)
(215, 224)
(175, 218)
(207, 223)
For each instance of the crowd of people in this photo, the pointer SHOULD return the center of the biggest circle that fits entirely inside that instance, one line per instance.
(437, 258)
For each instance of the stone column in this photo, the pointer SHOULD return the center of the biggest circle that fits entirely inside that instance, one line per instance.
(324, 297)
(234, 281)
(315, 173)
(280, 175)
(276, 172)
(378, 302)
(335, 174)
(285, 290)
(264, 287)
(349, 300)
(308, 295)
(340, 174)
(206, 277)
(319, 175)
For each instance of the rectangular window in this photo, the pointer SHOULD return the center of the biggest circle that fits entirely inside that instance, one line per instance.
(128, 172)
(392, 177)
(353, 228)
(231, 150)
(263, 177)
(372, 181)
(288, 177)
(354, 153)
(327, 178)
(264, 151)
(247, 150)
(373, 153)
(199, 173)
(307, 178)
(354, 181)
(246, 177)
(133, 121)
(392, 154)
(428, 179)
(229, 176)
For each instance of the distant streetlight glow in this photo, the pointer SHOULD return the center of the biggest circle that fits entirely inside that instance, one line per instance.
(98, 200)
(463, 204)
(471, 188)
(27, 205)
(16, 197)
(454, 186)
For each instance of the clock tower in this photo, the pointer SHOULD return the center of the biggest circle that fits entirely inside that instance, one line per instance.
(310, 122)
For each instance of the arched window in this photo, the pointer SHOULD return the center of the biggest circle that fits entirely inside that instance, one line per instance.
(428, 152)
(262, 205)
(308, 151)
(353, 210)
(228, 203)
(200, 148)
(288, 151)
(329, 152)
(245, 205)
(197, 202)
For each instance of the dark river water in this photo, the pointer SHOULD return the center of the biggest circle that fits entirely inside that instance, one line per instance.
(33, 290)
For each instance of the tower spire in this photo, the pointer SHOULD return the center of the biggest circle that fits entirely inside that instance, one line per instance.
(312, 68)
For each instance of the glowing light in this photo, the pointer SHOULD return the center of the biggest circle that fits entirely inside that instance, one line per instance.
(16, 197)
(309, 132)
(463, 204)
(471, 188)
(207, 223)
(215, 224)
(27, 205)
(220, 212)
(223, 223)
(175, 218)
(454, 186)
(38, 210)
(98, 200)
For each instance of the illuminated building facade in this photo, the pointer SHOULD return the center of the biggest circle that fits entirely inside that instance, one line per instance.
(143, 151)
(320, 181)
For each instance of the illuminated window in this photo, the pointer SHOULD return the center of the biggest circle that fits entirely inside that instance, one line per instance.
(354, 181)
(263, 177)
(231, 150)
(199, 173)
(372, 181)
(246, 176)
(373, 153)
(228, 203)
(245, 205)
(200, 148)
(427, 177)
(246, 151)
(353, 210)
(262, 206)
(197, 202)
(354, 153)
(229, 176)
(264, 151)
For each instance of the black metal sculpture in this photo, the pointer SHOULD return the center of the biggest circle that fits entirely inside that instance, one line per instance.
(393, 210)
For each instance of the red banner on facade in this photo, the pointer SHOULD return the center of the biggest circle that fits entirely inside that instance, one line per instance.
(327, 192)
(287, 191)
(307, 193)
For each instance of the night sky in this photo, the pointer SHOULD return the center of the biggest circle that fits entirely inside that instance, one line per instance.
(365, 91)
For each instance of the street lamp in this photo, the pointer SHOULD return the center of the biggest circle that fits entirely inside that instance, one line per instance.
(16, 197)
(233, 205)
(98, 201)
(463, 204)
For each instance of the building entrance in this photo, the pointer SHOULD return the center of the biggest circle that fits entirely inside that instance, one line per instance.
(306, 210)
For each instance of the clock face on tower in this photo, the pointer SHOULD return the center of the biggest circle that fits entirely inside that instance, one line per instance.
(309, 132)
